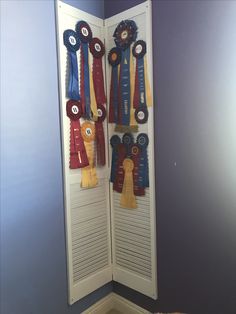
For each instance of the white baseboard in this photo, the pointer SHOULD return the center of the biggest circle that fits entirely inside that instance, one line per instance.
(115, 302)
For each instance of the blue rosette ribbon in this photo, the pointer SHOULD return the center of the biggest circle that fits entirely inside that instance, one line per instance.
(124, 34)
(72, 43)
(143, 173)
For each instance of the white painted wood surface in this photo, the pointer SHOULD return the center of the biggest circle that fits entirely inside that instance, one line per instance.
(87, 211)
(93, 218)
(134, 231)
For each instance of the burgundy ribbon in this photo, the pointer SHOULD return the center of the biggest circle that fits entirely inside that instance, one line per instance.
(78, 155)
(111, 108)
(119, 179)
(98, 81)
(97, 49)
(100, 140)
(114, 59)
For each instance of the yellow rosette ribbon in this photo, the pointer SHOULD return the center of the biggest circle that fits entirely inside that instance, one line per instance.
(127, 199)
(89, 176)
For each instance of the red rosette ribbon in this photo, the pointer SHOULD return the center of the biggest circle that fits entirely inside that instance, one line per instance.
(98, 50)
(78, 155)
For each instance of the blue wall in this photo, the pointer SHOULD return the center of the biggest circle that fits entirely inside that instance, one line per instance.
(95, 7)
(194, 45)
(33, 258)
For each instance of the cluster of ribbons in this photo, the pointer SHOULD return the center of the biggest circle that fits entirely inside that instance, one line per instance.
(130, 93)
(87, 101)
(129, 167)
(82, 143)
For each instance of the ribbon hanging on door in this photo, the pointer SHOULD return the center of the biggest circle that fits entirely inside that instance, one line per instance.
(127, 199)
(114, 141)
(89, 176)
(135, 156)
(128, 141)
(142, 142)
(142, 93)
(124, 34)
(72, 43)
(84, 33)
(119, 176)
(114, 59)
(100, 138)
(98, 50)
(78, 155)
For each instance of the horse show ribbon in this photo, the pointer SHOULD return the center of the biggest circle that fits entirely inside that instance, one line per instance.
(133, 122)
(89, 176)
(142, 91)
(127, 199)
(78, 155)
(114, 59)
(84, 33)
(93, 103)
(72, 43)
(143, 177)
(98, 50)
(124, 85)
(114, 141)
(119, 177)
(124, 34)
(128, 141)
(100, 138)
(135, 156)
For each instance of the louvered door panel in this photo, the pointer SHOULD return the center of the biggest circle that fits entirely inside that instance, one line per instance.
(134, 230)
(90, 251)
(132, 236)
(87, 211)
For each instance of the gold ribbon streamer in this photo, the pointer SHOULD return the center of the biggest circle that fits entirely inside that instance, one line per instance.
(127, 199)
(149, 99)
(93, 104)
(89, 176)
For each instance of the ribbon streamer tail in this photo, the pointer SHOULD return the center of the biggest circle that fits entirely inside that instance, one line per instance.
(149, 99)
(93, 103)
(111, 102)
(73, 84)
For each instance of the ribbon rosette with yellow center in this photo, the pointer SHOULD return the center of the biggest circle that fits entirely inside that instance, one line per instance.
(89, 176)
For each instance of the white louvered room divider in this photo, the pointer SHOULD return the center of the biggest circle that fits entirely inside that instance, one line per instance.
(104, 241)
